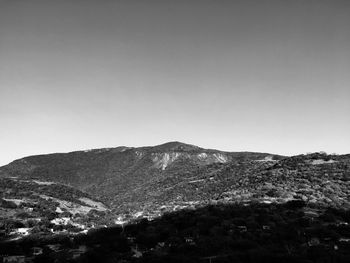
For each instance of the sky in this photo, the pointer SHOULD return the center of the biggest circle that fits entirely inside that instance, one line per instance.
(235, 75)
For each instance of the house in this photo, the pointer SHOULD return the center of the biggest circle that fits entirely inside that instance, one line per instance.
(161, 244)
(23, 231)
(54, 247)
(37, 251)
(343, 239)
(265, 227)
(78, 251)
(29, 209)
(311, 214)
(136, 252)
(131, 240)
(242, 229)
(314, 241)
(341, 223)
(190, 241)
(14, 259)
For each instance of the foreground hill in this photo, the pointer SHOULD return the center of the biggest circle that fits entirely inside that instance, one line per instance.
(256, 233)
(31, 206)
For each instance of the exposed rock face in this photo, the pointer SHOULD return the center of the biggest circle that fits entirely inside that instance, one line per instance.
(162, 160)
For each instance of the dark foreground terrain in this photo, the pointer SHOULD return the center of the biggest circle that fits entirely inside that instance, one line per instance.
(175, 202)
(290, 232)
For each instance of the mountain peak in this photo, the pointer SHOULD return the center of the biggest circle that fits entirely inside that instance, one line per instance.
(175, 146)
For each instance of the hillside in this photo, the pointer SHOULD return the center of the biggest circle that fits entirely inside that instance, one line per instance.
(31, 206)
(148, 181)
(125, 177)
(258, 233)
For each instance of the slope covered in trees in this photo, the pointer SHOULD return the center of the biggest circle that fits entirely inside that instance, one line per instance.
(258, 233)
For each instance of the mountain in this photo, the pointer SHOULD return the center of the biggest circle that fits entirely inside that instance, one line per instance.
(147, 181)
(128, 178)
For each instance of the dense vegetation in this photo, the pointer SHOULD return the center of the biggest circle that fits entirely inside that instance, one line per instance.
(33, 204)
(216, 206)
(174, 175)
(223, 233)
(130, 179)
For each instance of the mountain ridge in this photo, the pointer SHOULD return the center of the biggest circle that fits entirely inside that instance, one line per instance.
(131, 180)
(174, 145)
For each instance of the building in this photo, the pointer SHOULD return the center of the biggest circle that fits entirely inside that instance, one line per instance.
(314, 241)
(266, 227)
(37, 251)
(14, 259)
(78, 251)
(242, 229)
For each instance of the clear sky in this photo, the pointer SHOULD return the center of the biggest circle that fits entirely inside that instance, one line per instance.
(255, 75)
